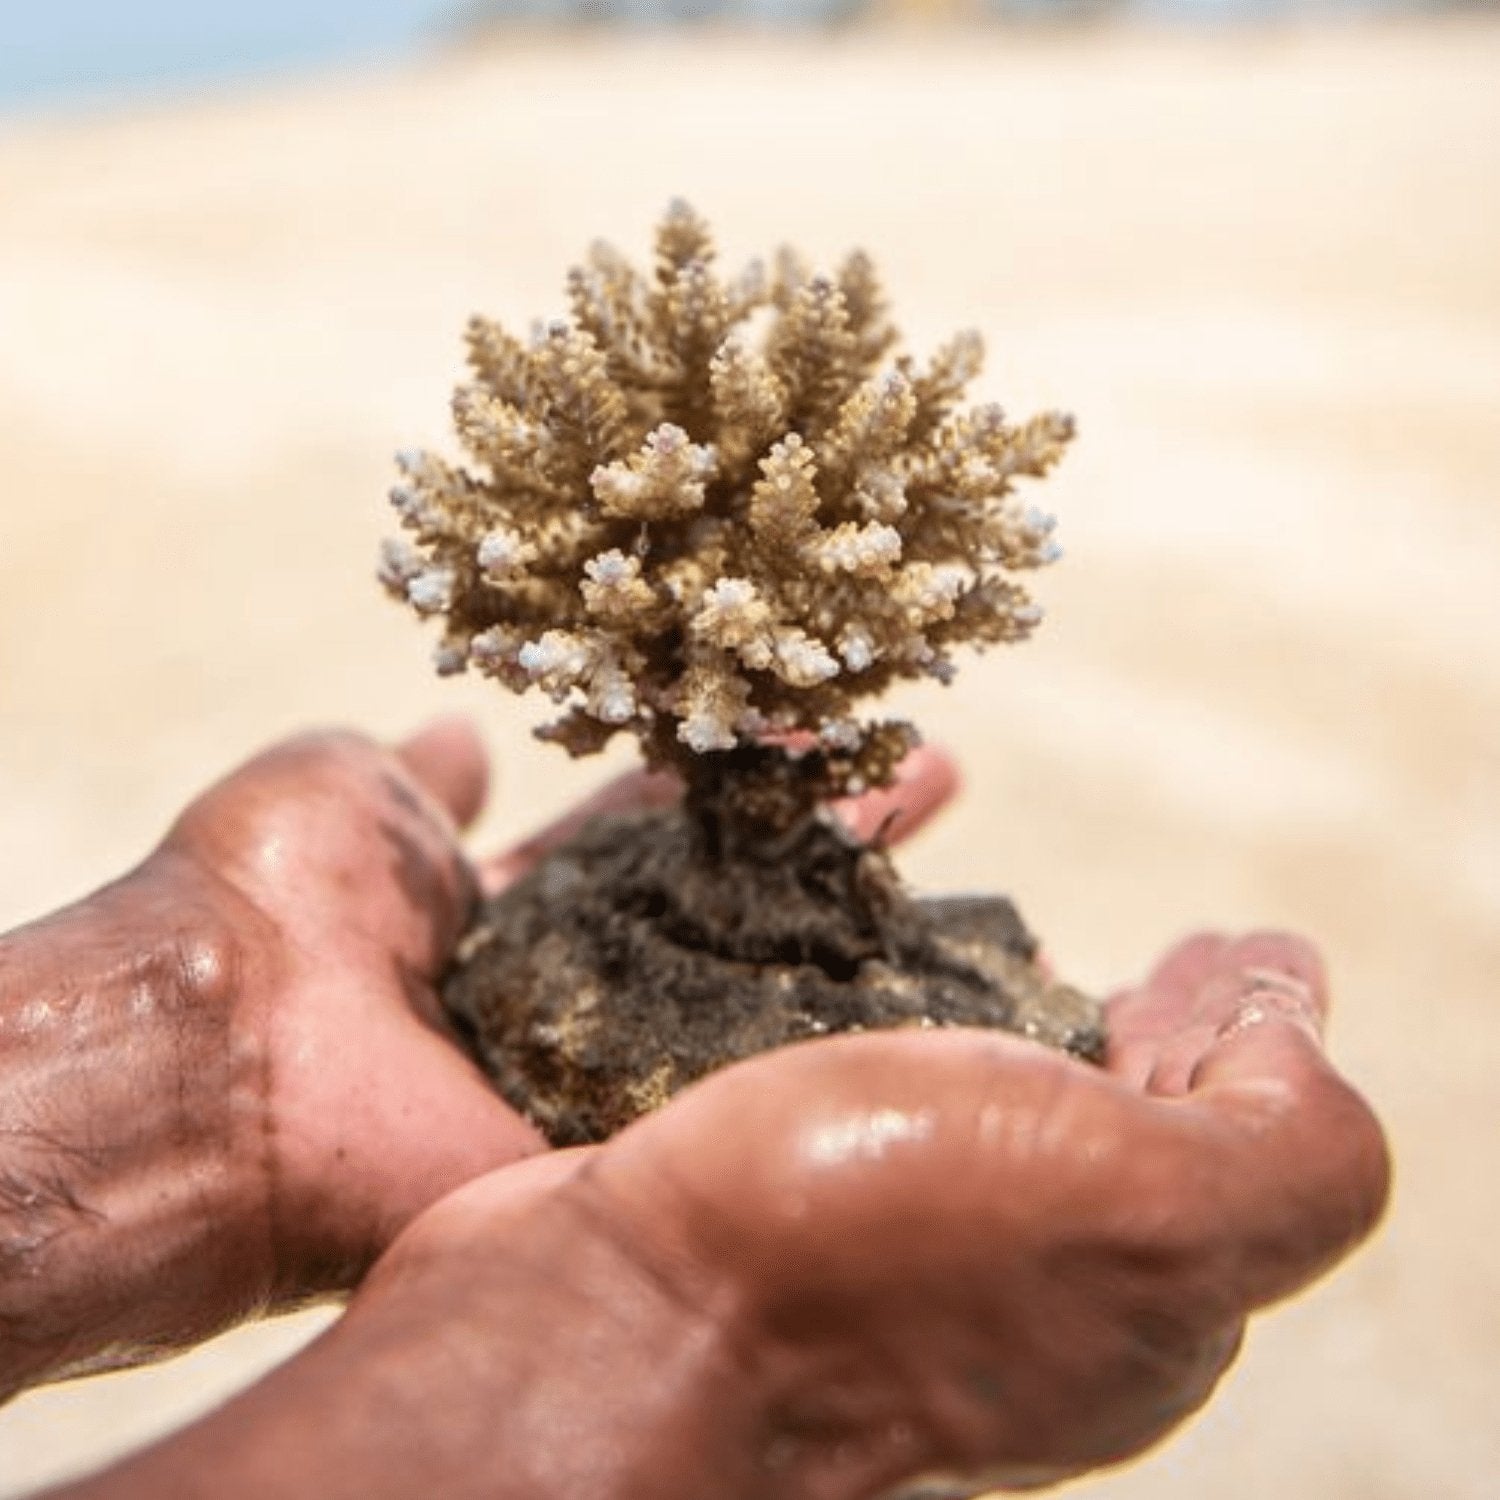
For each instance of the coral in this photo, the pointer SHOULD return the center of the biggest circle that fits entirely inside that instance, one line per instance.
(717, 514)
(711, 512)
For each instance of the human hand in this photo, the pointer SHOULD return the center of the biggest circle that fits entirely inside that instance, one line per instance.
(336, 873)
(226, 1081)
(340, 862)
(828, 1270)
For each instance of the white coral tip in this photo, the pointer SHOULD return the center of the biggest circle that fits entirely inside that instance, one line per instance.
(872, 546)
(489, 646)
(616, 482)
(841, 734)
(730, 593)
(804, 661)
(498, 551)
(615, 703)
(399, 562)
(612, 568)
(552, 653)
(703, 732)
(431, 591)
(449, 660)
(858, 650)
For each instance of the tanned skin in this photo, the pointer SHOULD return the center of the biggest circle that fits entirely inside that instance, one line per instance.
(226, 1086)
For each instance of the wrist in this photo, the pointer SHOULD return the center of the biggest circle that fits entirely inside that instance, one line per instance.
(515, 1354)
(131, 1128)
(578, 1352)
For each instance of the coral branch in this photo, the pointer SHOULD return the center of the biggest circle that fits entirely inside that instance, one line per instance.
(709, 510)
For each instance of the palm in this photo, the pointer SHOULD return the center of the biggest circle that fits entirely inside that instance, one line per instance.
(914, 1219)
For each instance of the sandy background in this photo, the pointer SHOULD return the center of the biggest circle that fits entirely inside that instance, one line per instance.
(1263, 268)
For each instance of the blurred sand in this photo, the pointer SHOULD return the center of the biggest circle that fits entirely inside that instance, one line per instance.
(1264, 269)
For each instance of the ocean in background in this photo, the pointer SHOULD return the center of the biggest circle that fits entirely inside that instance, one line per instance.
(69, 52)
(65, 53)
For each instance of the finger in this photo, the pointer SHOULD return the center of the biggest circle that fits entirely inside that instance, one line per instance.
(1231, 999)
(1159, 1029)
(1274, 973)
(1285, 957)
(1141, 1018)
(1310, 1170)
(447, 757)
(637, 791)
(925, 782)
(1186, 966)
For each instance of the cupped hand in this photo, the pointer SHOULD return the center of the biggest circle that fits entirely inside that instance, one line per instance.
(943, 1254)
(337, 867)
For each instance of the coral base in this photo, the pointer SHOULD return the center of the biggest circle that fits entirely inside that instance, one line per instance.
(633, 961)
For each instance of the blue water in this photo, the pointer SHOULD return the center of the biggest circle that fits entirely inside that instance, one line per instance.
(70, 51)
(66, 52)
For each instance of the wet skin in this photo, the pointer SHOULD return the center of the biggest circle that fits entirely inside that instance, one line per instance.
(225, 1080)
(819, 1273)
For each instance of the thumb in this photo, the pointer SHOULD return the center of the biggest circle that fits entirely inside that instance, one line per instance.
(446, 757)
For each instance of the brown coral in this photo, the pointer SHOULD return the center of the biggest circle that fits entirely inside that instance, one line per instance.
(717, 514)
(711, 511)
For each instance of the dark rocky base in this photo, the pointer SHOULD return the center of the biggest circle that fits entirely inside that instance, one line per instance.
(635, 960)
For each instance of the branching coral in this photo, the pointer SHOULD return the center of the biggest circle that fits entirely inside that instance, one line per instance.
(717, 514)
(710, 512)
